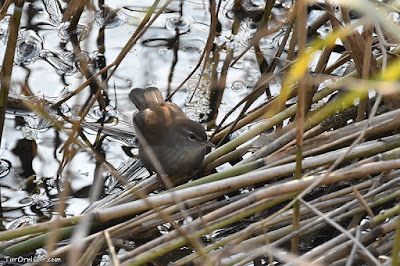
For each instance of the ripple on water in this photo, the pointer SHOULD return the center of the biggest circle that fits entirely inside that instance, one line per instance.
(271, 41)
(109, 18)
(238, 86)
(197, 102)
(29, 44)
(63, 63)
(99, 114)
(22, 221)
(81, 32)
(53, 10)
(180, 24)
(5, 166)
(38, 123)
(4, 28)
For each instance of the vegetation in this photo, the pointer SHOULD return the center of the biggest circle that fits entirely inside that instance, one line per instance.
(314, 178)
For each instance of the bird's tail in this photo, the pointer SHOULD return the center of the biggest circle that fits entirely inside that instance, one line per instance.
(144, 98)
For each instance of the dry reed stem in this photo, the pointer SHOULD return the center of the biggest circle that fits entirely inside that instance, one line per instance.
(4, 8)
(8, 62)
(365, 131)
(276, 190)
(197, 199)
(281, 235)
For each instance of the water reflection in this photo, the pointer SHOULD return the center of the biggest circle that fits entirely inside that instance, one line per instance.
(5, 166)
(81, 31)
(64, 63)
(180, 25)
(53, 10)
(29, 45)
(26, 150)
(109, 18)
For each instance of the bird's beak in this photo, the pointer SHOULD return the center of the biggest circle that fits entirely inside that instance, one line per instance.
(209, 144)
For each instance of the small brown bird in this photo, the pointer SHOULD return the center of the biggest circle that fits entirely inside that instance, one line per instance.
(177, 143)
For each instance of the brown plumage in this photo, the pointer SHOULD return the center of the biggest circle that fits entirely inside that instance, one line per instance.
(178, 143)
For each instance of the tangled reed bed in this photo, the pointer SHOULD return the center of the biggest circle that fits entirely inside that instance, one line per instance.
(314, 180)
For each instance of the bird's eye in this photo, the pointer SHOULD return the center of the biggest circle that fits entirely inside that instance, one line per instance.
(192, 136)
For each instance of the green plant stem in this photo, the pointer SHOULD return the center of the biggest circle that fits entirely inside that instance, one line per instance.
(396, 243)
(180, 241)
